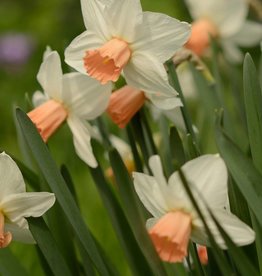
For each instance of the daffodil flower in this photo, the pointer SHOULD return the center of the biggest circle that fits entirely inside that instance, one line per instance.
(225, 20)
(175, 219)
(16, 204)
(72, 97)
(120, 38)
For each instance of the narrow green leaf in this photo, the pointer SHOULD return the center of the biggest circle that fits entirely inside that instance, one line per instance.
(59, 187)
(176, 148)
(126, 237)
(253, 104)
(165, 152)
(138, 133)
(133, 211)
(185, 113)
(86, 261)
(136, 156)
(191, 149)
(246, 176)
(10, 265)
(147, 132)
(48, 247)
(258, 230)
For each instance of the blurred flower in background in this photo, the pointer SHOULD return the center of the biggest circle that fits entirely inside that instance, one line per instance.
(15, 50)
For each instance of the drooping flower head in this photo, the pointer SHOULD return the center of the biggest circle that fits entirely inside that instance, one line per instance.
(16, 204)
(72, 97)
(175, 219)
(121, 38)
(225, 20)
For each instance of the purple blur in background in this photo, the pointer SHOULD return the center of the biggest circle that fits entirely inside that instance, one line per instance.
(15, 50)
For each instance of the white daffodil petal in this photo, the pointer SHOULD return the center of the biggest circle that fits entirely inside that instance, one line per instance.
(232, 16)
(164, 102)
(11, 180)
(176, 196)
(75, 52)
(146, 73)
(94, 18)
(249, 35)
(238, 231)
(25, 204)
(122, 147)
(157, 170)
(124, 17)
(150, 193)
(81, 138)
(50, 75)
(208, 174)
(175, 116)
(39, 98)
(228, 16)
(161, 35)
(20, 234)
(231, 51)
(84, 96)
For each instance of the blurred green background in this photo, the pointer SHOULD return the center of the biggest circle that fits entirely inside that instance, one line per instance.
(26, 28)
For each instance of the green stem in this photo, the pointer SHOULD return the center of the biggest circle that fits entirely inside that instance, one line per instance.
(187, 120)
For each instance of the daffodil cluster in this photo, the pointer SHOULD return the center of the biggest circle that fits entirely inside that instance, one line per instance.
(123, 42)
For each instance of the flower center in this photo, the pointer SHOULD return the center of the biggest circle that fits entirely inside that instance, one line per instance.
(170, 236)
(199, 40)
(5, 237)
(48, 117)
(106, 63)
(124, 103)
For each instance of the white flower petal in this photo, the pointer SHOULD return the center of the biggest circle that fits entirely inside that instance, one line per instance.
(81, 138)
(75, 52)
(94, 18)
(208, 174)
(20, 234)
(175, 116)
(122, 147)
(186, 80)
(238, 231)
(231, 51)
(123, 18)
(20, 205)
(161, 35)
(85, 97)
(228, 16)
(150, 193)
(50, 75)
(11, 180)
(249, 35)
(39, 98)
(146, 73)
(157, 170)
(164, 102)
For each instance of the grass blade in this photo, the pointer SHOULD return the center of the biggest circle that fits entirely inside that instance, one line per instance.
(59, 187)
